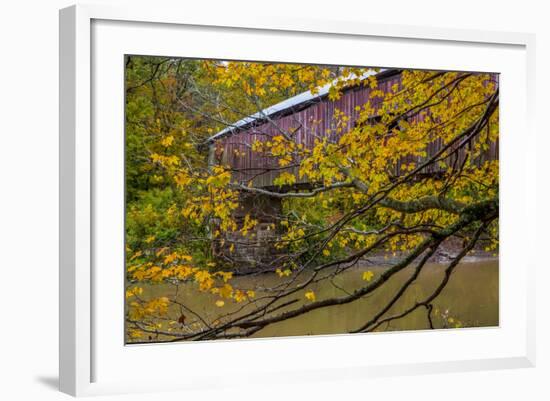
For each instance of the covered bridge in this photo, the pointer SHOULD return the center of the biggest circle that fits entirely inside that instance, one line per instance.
(307, 117)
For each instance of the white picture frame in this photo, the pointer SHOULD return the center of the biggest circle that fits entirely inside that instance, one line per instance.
(90, 365)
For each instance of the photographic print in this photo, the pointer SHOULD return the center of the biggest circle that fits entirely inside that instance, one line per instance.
(267, 199)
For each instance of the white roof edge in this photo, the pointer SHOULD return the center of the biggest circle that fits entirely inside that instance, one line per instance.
(286, 104)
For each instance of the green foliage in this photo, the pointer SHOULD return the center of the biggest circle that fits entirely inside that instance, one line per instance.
(153, 215)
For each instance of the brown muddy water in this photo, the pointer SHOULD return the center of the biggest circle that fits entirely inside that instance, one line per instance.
(469, 300)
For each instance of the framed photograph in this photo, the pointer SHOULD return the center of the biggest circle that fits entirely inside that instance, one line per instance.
(296, 199)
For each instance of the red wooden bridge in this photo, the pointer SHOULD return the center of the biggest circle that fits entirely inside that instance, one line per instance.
(307, 117)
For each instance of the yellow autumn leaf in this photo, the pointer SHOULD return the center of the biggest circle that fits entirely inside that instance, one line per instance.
(310, 295)
(226, 276)
(170, 258)
(239, 296)
(131, 292)
(226, 291)
(168, 141)
(368, 275)
(285, 178)
(283, 273)
(220, 303)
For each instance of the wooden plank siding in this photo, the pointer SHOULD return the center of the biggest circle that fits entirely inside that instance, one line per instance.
(308, 121)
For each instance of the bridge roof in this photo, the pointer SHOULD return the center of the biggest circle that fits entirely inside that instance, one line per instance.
(287, 106)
